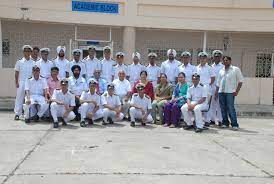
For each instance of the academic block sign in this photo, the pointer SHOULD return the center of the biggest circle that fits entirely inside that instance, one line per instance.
(98, 7)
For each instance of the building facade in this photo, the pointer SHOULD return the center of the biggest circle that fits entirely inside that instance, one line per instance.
(243, 29)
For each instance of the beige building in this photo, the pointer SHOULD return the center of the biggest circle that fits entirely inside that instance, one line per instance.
(243, 29)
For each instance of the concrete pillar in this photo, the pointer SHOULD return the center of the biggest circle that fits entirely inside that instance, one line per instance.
(129, 43)
(1, 54)
(205, 41)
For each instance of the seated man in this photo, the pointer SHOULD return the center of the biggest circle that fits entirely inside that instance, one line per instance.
(36, 93)
(62, 104)
(101, 84)
(140, 106)
(196, 102)
(123, 90)
(112, 106)
(90, 105)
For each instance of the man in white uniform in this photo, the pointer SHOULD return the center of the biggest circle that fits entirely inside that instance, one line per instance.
(107, 65)
(196, 102)
(62, 104)
(187, 68)
(44, 63)
(140, 107)
(123, 90)
(153, 71)
(135, 68)
(112, 110)
(35, 54)
(91, 62)
(119, 66)
(90, 105)
(76, 61)
(170, 66)
(61, 62)
(23, 70)
(36, 93)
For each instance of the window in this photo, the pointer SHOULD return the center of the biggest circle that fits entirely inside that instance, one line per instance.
(5, 47)
(263, 65)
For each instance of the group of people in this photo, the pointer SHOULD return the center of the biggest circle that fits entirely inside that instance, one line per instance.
(88, 89)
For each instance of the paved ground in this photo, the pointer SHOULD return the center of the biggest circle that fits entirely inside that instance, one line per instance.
(120, 154)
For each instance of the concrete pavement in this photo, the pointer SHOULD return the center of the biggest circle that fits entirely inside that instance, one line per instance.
(120, 154)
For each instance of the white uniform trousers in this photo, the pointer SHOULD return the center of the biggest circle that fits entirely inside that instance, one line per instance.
(125, 105)
(215, 109)
(39, 100)
(207, 115)
(85, 108)
(137, 114)
(197, 113)
(19, 100)
(58, 111)
(107, 113)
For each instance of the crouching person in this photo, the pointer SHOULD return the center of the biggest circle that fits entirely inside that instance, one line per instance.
(36, 94)
(140, 106)
(62, 104)
(112, 106)
(196, 103)
(90, 105)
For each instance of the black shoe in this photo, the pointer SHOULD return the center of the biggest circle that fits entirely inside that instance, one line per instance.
(206, 124)
(110, 121)
(64, 123)
(188, 127)
(55, 124)
(132, 124)
(16, 117)
(198, 130)
(220, 124)
(36, 118)
(128, 119)
(143, 124)
(104, 123)
(212, 123)
(83, 124)
(27, 120)
(90, 121)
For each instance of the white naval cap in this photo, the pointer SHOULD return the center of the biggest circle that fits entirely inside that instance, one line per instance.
(76, 51)
(172, 51)
(152, 54)
(186, 53)
(27, 47)
(45, 50)
(217, 52)
(120, 54)
(136, 54)
(203, 54)
(59, 48)
(92, 47)
(107, 48)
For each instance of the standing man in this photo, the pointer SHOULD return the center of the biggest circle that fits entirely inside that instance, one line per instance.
(23, 71)
(90, 105)
(169, 67)
(229, 83)
(77, 85)
(187, 68)
(35, 54)
(196, 102)
(101, 84)
(61, 62)
(153, 71)
(107, 65)
(44, 63)
(140, 106)
(119, 66)
(53, 81)
(76, 61)
(215, 110)
(112, 106)
(91, 62)
(62, 104)
(36, 93)
(135, 68)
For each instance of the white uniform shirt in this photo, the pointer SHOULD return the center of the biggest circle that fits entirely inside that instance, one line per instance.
(67, 98)
(107, 69)
(205, 72)
(36, 87)
(134, 71)
(228, 79)
(77, 86)
(196, 93)
(62, 65)
(113, 101)
(121, 87)
(216, 70)
(24, 67)
(188, 70)
(170, 69)
(117, 68)
(79, 63)
(153, 72)
(88, 96)
(144, 102)
(91, 66)
(45, 68)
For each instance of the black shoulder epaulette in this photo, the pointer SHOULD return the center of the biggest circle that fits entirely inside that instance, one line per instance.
(42, 76)
(147, 96)
(135, 94)
(201, 84)
(29, 77)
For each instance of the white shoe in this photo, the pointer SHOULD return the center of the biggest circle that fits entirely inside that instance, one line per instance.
(235, 128)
